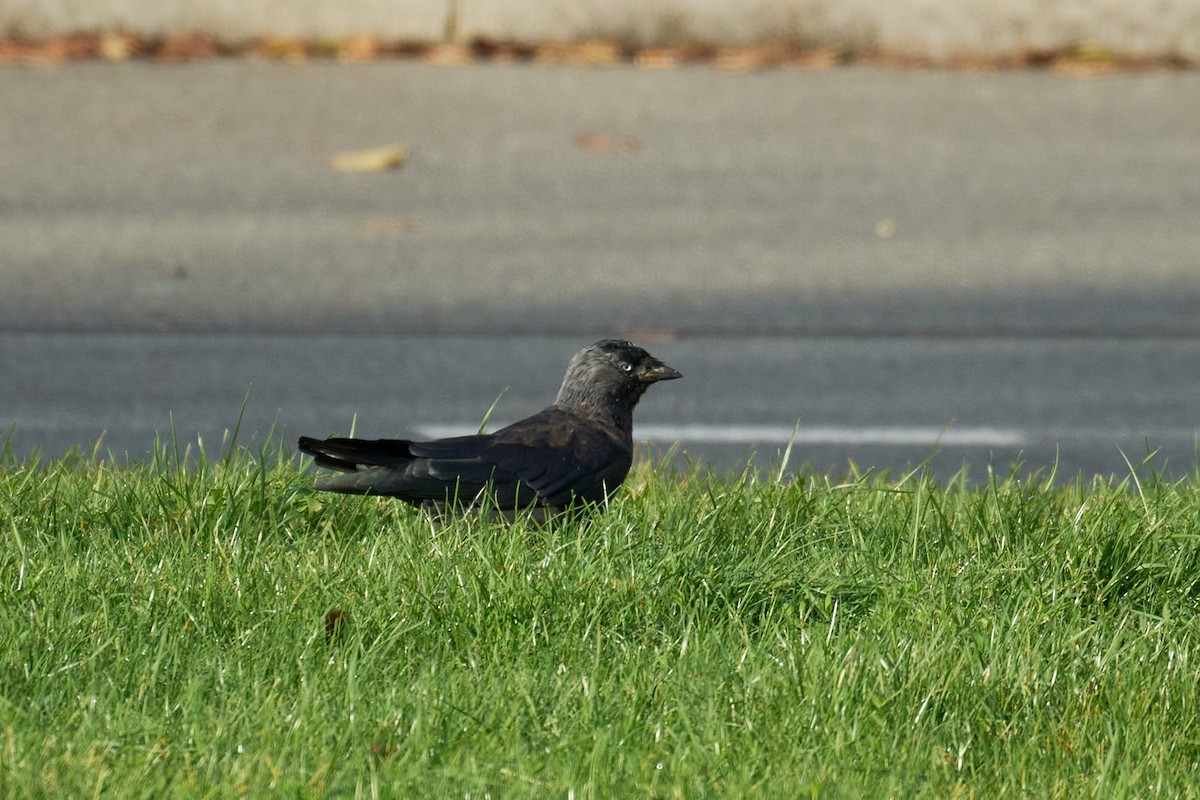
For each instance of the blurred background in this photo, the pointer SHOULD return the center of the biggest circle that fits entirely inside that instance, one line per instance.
(955, 232)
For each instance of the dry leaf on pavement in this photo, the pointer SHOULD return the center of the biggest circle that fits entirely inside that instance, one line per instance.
(608, 143)
(375, 159)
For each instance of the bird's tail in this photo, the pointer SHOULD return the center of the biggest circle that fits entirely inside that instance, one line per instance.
(351, 455)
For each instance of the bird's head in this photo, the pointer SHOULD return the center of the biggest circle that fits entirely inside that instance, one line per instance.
(610, 376)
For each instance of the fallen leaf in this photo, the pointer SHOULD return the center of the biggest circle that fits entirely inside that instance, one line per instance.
(358, 48)
(375, 159)
(821, 58)
(186, 47)
(73, 47)
(448, 54)
(116, 47)
(747, 58)
(1086, 61)
(608, 143)
(335, 623)
(656, 57)
(284, 48)
(597, 53)
(590, 53)
(499, 52)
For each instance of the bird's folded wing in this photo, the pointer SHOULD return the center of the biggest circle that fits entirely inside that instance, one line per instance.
(551, 458)
(404, 469)
(561, 457)
(560, 476)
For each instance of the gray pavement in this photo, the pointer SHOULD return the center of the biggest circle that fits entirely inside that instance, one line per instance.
(1083, 404)
(873, 254)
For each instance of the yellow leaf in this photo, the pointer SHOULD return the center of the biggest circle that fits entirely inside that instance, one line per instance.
(375, 159)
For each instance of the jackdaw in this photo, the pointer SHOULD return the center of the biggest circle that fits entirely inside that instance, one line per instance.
(577, 451)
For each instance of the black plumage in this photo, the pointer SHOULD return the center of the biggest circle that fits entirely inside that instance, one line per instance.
(578, 450)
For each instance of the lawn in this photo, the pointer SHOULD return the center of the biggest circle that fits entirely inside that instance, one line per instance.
(217, 629)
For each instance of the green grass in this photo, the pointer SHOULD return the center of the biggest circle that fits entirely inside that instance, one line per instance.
(164, 634)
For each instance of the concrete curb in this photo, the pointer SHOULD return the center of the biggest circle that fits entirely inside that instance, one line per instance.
(932, 29)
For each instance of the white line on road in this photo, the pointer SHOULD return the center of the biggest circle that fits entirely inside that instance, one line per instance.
(891, 435)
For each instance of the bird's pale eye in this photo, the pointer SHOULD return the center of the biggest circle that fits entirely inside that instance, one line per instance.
(626, 367)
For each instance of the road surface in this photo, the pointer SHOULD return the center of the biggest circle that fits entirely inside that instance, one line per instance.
(997, 266)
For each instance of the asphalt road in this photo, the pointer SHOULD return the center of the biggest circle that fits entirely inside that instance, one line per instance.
(1075, 405)
(1004, 264)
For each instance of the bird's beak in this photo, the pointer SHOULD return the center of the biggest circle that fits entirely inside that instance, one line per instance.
(652, 370)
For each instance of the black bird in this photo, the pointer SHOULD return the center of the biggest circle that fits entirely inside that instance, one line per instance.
(576, 451)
